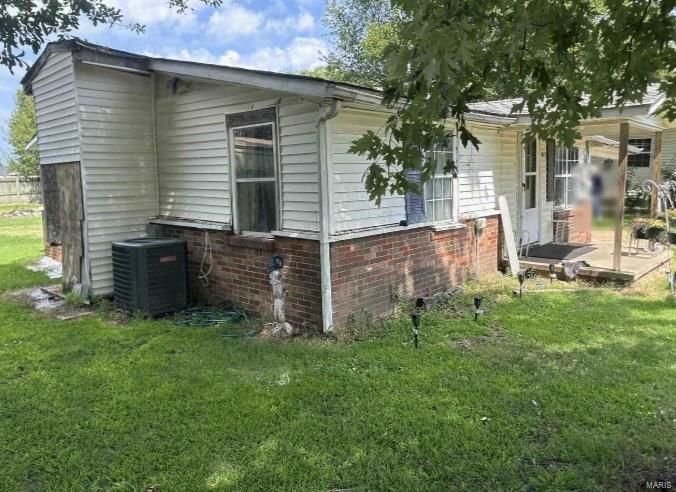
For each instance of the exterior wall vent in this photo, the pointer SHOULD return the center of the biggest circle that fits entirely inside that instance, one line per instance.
(149, 275)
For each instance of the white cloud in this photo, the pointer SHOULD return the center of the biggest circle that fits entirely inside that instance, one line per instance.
(302, 22)
(233, 20)
(149, 12)
(301, 53)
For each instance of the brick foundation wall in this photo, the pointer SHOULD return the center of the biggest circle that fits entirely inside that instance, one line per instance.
(241, 268)
(54, 252)
(576, 227)
(370, 273)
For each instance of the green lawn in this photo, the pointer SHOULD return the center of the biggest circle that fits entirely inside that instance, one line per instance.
(11, 207)
(608, 223)
(20, 242)
(550, 392)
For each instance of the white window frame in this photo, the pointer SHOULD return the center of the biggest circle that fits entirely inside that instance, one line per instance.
(453, 181)
(567, 177)
(235, 179)
(649, 153)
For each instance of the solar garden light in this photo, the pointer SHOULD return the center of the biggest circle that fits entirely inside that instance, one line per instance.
(552, 273)
(522, 278)
(415, 318)
(477, 307)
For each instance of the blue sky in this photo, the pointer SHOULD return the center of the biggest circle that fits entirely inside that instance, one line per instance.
(279, 35)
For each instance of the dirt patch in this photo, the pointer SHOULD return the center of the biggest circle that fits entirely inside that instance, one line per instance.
(49, 302)
(22, 212)
(49, 266)
(496, 336)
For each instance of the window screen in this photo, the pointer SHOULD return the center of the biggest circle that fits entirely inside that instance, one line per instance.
(255, 177)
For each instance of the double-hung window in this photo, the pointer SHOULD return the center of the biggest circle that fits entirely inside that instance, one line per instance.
(439, 189)
(254, 169)
(641, 159)
(567, 159)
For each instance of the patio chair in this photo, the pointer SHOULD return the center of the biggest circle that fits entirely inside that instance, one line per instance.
(561, 228)
(522, 239)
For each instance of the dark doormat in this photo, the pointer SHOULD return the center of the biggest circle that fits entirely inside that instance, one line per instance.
(560, 251)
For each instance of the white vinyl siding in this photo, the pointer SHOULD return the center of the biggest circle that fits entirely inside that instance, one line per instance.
(118, 166)
(193, 160)
(352, 209)
(299, 165)
(56, 114)
(491, 171)
(668, 148)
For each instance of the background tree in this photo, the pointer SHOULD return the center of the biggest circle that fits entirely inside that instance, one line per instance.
(21, 130)
(568, 60)
(361, 34)
(27, 24)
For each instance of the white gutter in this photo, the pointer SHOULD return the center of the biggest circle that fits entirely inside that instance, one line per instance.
(325, 213)
(489, 118)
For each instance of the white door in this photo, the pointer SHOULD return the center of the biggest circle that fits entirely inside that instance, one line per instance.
(530, 216)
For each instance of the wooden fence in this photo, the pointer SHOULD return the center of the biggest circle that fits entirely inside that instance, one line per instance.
(20, 189)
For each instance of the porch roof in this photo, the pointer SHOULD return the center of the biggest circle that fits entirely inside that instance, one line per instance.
(650, 101)
(607, 147)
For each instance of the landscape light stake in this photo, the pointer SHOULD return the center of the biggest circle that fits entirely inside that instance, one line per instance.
(477, 307)
(415, 318)
(522, 278)
(552, 273)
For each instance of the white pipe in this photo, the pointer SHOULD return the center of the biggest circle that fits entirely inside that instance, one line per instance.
(153, 95)
(324, 224)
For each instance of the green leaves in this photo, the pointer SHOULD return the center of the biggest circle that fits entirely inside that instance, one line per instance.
(21, 130)
(568, 60)
(363, 33)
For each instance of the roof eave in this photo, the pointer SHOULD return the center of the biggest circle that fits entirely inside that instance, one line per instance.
(31, 73)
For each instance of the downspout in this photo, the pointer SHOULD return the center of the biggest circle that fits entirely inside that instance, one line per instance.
(325, 212)
(153, 95)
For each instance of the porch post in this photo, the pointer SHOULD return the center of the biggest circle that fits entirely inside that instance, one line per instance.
(657, 164)
(621, 183)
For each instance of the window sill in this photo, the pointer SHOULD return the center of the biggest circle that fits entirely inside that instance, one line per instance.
(296, 235)
(194, 224)
(448, 226)
(252, 241)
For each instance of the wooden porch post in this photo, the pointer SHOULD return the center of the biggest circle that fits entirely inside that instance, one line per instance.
(657, 164)
(621, 183)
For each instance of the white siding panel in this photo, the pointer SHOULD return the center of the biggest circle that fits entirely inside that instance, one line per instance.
(668, 147)
(488, 172)
(352, 208)
(56, 114)
(193, 154)
(115, 112)
(546, 208)
(299, 165)
(192, 151)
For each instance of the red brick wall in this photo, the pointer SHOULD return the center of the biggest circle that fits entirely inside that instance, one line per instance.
(370, 273)
(241, 268)
(53, 252)
(576, 227)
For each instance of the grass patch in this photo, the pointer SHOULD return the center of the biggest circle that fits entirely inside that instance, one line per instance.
(20, 243)
(563, 390)
(608, 223)
(12, 207)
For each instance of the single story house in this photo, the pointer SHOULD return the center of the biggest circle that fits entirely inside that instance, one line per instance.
(246, 164)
